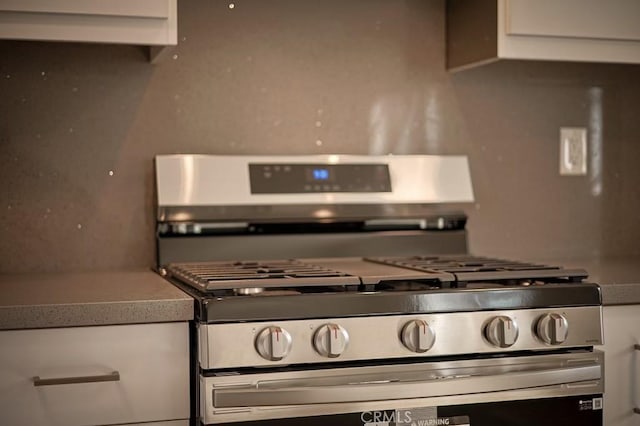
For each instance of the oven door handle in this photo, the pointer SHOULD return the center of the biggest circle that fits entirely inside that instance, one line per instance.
(385, 390)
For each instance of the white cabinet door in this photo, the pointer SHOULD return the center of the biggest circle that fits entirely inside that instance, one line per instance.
(144, 22)
(570, 30)
(135, 8)
(483, 31)
(45, 375)
(594, 19)
(622, 365)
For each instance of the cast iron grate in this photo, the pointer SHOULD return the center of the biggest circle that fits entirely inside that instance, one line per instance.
(258, 274)
(472, 268)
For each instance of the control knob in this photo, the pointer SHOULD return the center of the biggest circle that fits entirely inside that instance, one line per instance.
(331, 340)
(501, 331)
(552, 328)
(417, 336)
(273, 343)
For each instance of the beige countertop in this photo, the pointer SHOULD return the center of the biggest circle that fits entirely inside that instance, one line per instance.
(82, 299)
(619, 277)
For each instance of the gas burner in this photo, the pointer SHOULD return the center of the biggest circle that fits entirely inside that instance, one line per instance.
(248, 291)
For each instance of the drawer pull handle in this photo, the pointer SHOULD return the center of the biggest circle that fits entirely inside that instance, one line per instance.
(636, 410)
(111, 377)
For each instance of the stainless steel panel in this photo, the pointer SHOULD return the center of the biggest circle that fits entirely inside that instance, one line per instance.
(388, 389)
(344, 390)
(378, 337)
(201, 180)
(267, 213)
(364, 303)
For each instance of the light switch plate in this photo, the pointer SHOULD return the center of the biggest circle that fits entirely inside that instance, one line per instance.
(573, 151)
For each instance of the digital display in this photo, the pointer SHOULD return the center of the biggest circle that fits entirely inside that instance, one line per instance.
(308, 178)
(320, 174)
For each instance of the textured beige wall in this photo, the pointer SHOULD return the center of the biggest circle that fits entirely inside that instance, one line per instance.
(80, 124)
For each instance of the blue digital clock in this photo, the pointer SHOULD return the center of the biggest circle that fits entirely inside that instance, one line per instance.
(320, 174)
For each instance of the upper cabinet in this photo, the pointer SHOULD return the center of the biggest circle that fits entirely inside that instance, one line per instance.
(483, 31)
(140, 22)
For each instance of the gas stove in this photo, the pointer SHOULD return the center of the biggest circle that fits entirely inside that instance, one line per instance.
(473, 297)
(341, 285)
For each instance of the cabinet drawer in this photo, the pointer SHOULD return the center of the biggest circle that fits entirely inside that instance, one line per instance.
(145, 369)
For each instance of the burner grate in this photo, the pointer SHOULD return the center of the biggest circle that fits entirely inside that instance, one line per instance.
(209, 276)
(472, 268)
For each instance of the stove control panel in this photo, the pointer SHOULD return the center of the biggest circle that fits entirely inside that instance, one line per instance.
(368, 338)
(552, 328)
(417, 336)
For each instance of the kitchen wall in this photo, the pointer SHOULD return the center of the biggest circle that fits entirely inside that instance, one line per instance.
(80, 125)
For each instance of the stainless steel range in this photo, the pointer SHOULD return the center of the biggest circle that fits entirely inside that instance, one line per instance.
(338, 290)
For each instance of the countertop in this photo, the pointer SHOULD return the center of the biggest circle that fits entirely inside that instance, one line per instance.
(619, 277)
(84, 299)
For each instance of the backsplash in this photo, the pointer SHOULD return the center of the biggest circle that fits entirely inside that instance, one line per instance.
(80, 125)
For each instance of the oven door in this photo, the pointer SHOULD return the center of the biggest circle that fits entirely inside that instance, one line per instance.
(563, 389)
